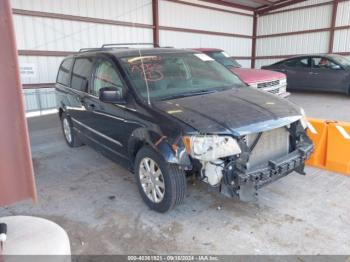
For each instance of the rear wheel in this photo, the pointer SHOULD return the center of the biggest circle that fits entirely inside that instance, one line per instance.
(68, 132)
(161, 185)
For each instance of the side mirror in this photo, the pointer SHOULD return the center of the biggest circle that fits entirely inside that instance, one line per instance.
(111, 95)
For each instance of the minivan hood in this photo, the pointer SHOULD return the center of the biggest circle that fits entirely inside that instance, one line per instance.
(238, 111)
(252, 76)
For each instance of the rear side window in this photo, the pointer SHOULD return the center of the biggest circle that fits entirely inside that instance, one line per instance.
(63, 76)
(81, 73)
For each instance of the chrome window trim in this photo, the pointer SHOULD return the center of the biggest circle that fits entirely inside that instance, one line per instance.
(107, 115)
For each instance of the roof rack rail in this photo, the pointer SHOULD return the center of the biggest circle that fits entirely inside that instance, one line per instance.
(126, 44)
(114, 46)
(90, 49)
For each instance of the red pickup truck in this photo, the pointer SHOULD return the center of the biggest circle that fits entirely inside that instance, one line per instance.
(270, 81)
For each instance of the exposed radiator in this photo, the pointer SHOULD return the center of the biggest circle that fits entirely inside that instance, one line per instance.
(272, 144)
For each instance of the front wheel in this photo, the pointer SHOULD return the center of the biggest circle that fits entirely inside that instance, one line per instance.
(161, 185)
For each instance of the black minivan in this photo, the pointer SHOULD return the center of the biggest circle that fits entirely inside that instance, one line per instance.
(170, 113)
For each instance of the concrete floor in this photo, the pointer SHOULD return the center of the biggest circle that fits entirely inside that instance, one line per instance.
(97, 202)
(324, 105)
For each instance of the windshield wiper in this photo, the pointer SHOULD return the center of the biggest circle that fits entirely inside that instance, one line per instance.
(192, 93)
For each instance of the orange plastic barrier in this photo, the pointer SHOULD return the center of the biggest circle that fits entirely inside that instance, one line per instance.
(318, 132)
(338, 147)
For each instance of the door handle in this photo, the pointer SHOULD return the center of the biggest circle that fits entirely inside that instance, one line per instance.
(313, 73)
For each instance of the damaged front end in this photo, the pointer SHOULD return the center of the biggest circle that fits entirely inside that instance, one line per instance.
(255, 159)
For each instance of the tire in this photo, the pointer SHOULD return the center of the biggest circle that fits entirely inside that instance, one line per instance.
(69, 134)
(171, 177)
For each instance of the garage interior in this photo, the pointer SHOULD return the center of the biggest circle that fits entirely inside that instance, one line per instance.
(96, 201)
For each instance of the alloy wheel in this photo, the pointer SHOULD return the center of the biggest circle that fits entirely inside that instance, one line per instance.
(152, 180)
(67, 130)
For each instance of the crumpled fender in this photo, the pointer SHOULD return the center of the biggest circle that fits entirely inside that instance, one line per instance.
(171, 149)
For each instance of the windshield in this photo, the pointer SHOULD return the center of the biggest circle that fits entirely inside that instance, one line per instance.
(224, 59)
(177, 74)
(344, 61)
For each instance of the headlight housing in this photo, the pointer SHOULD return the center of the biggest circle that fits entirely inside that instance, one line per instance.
(254, 85)
(303, 120)
(211, 147)
(283, 82)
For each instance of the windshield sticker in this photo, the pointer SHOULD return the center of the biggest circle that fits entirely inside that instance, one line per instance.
(204, 57)
(225, 54)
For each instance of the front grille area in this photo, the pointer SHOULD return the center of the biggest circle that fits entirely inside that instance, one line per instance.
(275, 91)
(272, 144)
(269, 84)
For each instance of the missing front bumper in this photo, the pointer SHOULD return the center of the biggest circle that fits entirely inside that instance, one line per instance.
(277, 169)
(260, 177)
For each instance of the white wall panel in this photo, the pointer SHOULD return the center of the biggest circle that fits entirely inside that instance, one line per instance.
(342, 40)
(293, 44)
(343, 14)
(245, 63)
(233, 45)
(304, 19)
(138, 11)
(46, 68)
(185, 16)
(35, 33)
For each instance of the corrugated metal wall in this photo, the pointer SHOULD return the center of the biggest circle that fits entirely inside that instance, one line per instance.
(303, 19)
(342, 37)
(192, 17)
(292, 21)
(39, 33)
(137, 11)
(48, 34)
(318, 17)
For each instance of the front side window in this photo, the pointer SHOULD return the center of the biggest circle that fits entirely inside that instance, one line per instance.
(81, 73)
(165, 76)
(298, 62)
(324, 63)
(105, 76)
(63, 76)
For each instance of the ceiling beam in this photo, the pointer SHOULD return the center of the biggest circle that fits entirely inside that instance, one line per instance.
(264, 2)
(273, 3)
(223, 3)
(277, 5)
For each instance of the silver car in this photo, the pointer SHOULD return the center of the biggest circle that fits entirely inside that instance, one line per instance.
(316, 72)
